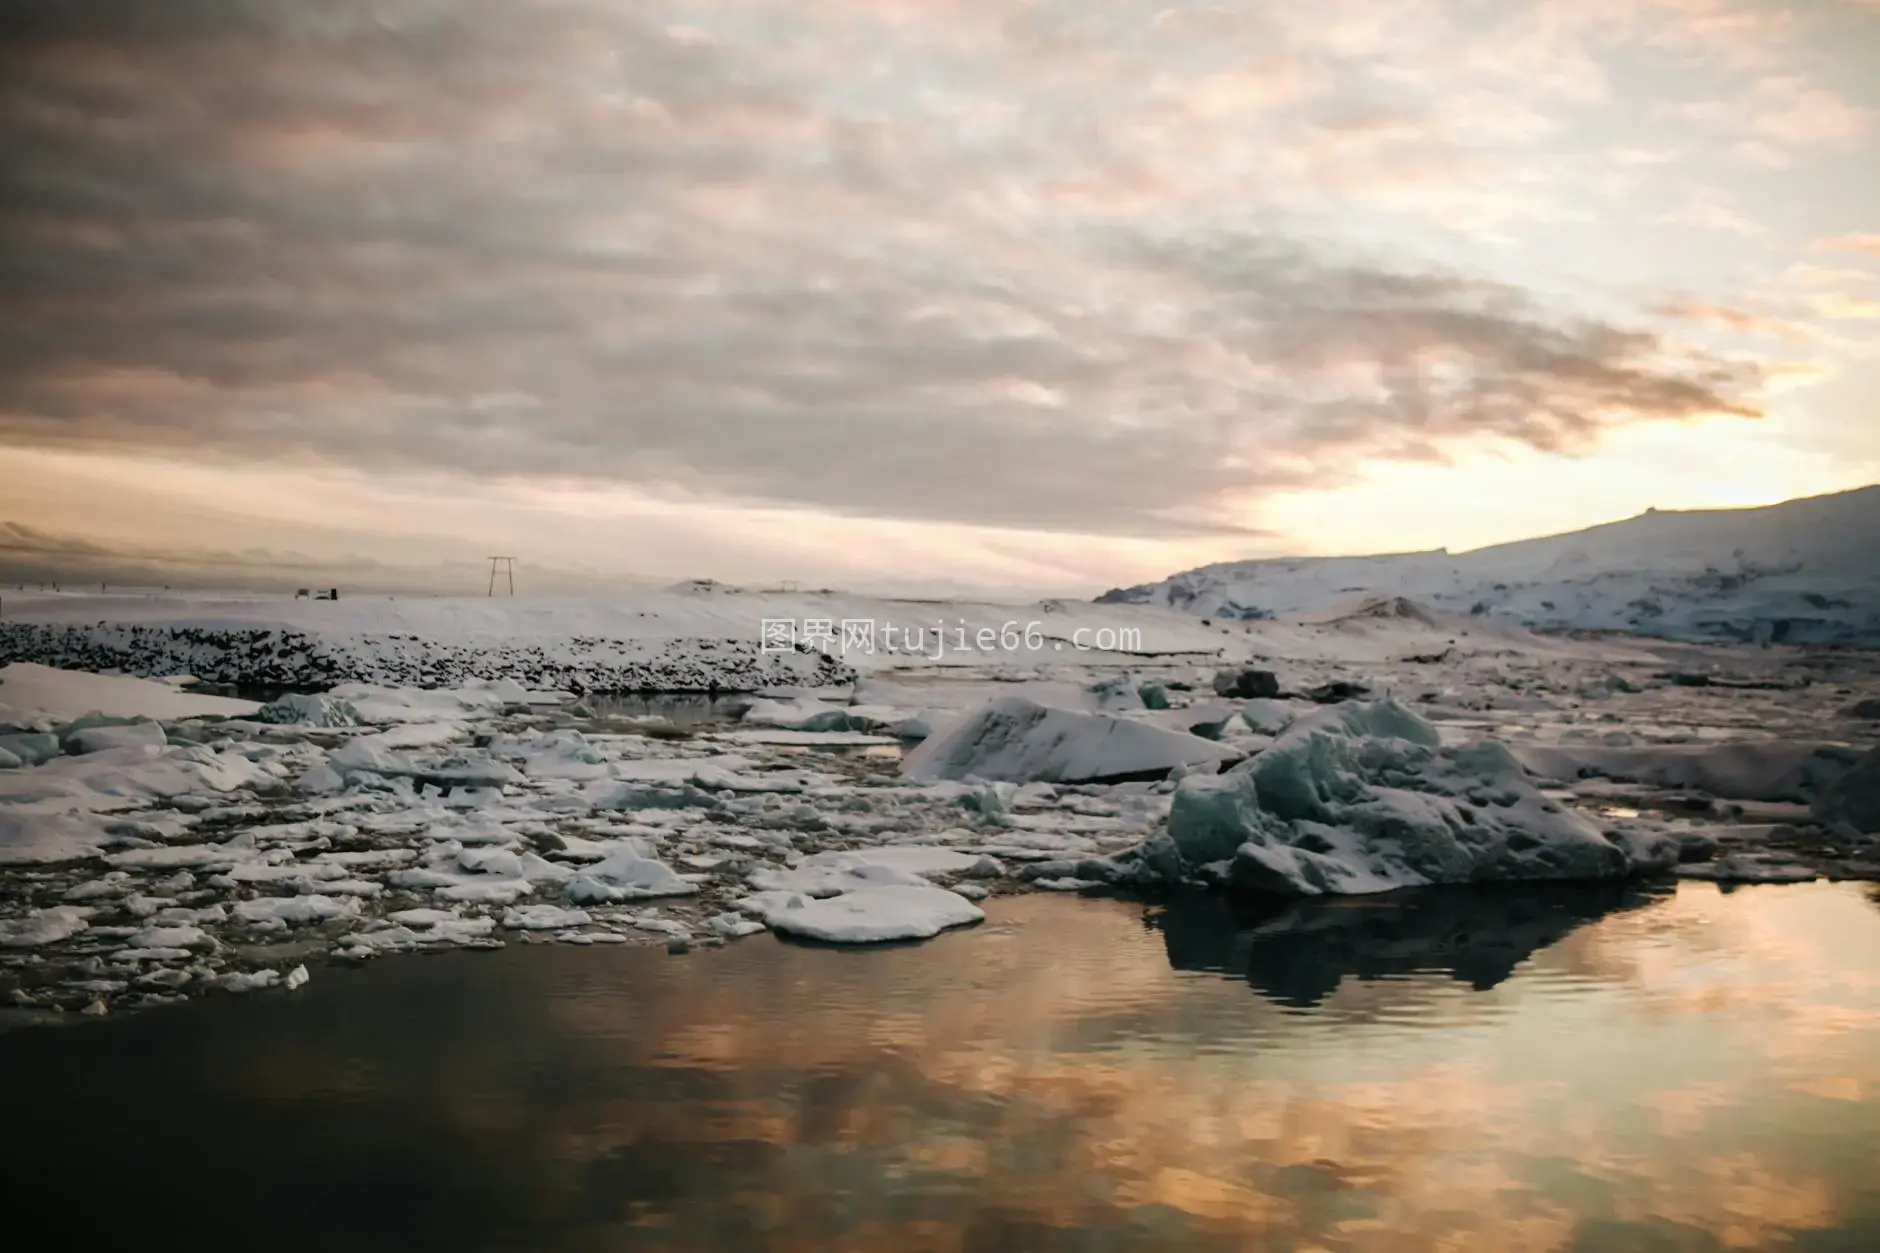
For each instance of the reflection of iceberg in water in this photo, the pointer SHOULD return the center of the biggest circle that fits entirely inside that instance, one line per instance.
(1297, 953)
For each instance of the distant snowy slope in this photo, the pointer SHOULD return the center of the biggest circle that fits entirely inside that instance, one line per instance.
(1806, 571)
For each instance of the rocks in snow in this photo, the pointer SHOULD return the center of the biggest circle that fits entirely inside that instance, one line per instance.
(1336, 692)
(1364, 798)
(280, 656)
(1246, 683)
(1019, 740)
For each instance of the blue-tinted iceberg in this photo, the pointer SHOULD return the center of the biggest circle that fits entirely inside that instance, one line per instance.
(1363, 797)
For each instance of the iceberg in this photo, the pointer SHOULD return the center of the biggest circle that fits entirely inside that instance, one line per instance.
(1364, 798)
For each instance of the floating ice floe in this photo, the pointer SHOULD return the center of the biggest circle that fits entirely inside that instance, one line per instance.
(44, 926)
(551, 755)
(798, 715)
(295, 911)
(29, 837)
(627, 876)
(544, 918)
(870, 915)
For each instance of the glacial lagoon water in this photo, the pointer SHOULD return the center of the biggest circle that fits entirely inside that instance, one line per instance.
(1600, 1069)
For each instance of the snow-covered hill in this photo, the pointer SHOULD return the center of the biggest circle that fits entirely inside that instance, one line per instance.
(1804, 571)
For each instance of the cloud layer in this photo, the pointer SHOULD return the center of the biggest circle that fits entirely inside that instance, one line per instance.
(1026, 265)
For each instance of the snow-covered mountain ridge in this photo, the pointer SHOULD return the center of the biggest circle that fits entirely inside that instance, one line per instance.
(1804, 571)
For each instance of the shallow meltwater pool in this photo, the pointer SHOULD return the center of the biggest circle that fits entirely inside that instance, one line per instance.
(1599, 1069)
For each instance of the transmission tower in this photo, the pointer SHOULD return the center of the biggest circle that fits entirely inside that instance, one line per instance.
(506, 565)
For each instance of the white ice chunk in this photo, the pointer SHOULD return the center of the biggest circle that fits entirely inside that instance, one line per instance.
(249, 981)
(544, 918)
(184, 937)
(873, 915)
(43, 926)
(33, 837)
(630, 877)
(831, 873)
(801, 715)
(422, 917)
(295, 911)
(1019, 740)
(104, 739)
(735, 926)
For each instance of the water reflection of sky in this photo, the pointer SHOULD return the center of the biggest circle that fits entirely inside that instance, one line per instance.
(1689, 1071)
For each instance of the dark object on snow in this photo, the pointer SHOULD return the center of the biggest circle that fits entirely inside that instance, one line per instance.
(1336, 691)
(1854, 798)
(1869, 709)
(1682, 678)
(1247, 684)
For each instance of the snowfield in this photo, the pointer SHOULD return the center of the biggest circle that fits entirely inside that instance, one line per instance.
(158, 843)
(1804, 571)
(693, 638)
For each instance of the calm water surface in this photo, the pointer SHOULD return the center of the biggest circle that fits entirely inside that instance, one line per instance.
(1589, 1070)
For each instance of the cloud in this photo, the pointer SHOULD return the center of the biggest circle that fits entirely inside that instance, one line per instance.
(1737, 321)
(1866, 245)
(1709, 210)
(988, 274)
(31, 555)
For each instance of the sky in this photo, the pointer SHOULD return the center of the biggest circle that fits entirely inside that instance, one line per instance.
(1058, 294)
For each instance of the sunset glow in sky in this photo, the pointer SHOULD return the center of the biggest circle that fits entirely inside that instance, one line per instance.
(1048, 293)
